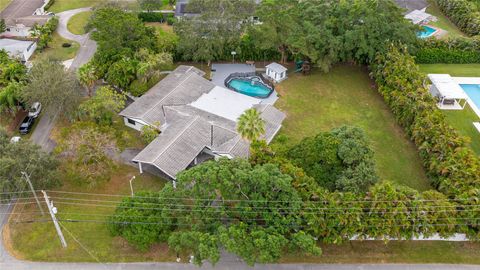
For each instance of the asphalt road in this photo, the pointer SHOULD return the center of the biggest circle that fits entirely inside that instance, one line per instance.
(41, 134)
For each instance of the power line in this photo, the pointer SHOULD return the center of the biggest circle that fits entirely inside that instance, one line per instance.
(264, 201)
(248, 206)
(188, 208)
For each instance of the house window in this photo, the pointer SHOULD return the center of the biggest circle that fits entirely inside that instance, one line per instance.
(131, 122)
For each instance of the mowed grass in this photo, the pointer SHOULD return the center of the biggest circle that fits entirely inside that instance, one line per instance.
(394, 252)
(62, 5)
(76, 24)
(462, 121)
(56, 51)
(4, 4)
(456, 70)
(39, 242)
(442, 21)
(345, 96)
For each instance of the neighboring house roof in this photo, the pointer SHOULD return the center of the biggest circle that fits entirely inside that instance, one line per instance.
(276, 67)
(411, 5)
(418, 16)
(22, 12)
(14, 47)
(197, 123)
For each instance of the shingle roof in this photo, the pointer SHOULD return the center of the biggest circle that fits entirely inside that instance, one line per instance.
(188, 130)
(184, 85)
(21, 12)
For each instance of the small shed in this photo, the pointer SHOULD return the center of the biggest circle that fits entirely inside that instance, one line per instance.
(448, 91)
(18, 48)
(276, 72)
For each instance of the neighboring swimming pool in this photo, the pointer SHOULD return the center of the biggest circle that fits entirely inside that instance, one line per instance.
(473, 92)
(250, 86)
(426, 32)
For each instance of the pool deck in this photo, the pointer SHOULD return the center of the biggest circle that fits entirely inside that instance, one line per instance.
(223, 70)
(469, 80)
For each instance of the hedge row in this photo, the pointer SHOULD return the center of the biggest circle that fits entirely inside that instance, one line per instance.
(156, 17)
(463, 13)
(452, 166)
(450, 51)
(47, 6)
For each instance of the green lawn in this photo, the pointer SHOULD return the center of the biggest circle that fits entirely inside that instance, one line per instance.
(77, 23)
(56, 51)
(462, 121)
(4, 4)
(443, 22)
(456, 70)
(394, 252)
(39, 241)
(62, 5)
(344, 96)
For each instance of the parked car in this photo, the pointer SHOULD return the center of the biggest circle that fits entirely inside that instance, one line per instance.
(27, 125)
(15, 139)
(35, 110)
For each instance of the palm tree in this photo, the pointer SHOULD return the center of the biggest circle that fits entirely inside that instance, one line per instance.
(87, 77)
(10, 97)
(250, 125)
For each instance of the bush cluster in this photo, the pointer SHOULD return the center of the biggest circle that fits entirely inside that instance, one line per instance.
(463, 13)
(450, 51)
(338, 160)
(151, 17)
(452, 166)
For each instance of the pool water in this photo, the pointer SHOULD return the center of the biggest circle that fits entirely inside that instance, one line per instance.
(426, 32)
(473, 92)
(246, 87)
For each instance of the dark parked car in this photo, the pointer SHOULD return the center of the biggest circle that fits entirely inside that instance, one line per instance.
(27, 125)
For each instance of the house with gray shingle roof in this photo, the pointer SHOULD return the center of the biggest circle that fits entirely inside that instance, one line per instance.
(21, 15)
(196, 118)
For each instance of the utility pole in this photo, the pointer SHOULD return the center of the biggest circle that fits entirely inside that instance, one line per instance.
(27, 178)
(53, 211)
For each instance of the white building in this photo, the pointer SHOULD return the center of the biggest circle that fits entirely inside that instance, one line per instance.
(276, 72)
(18, 48)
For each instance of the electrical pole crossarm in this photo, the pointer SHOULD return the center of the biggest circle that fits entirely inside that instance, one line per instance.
(54, 219)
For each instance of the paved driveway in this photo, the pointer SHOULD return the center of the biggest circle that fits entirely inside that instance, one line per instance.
(41, 134)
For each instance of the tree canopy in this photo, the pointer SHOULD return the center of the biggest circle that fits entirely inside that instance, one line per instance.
(219, 27)
(251, 125)
(339, 160)
(229, 204)
(29, 158)
(55, 88)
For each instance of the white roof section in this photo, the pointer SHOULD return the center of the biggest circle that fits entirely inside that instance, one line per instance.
(15, 47)
(447, 86)
(418, 16)
(277, 67)
(225, 103)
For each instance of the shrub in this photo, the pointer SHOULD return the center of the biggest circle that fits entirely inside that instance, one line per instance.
(463, 13)
(171, 20)
(452, 51)
(150, 133)
(151, 17)
(453, 167)
(337, 160)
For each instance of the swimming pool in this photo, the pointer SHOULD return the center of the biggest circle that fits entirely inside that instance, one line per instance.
(426, 32)
(473, 92)
(252, 86)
